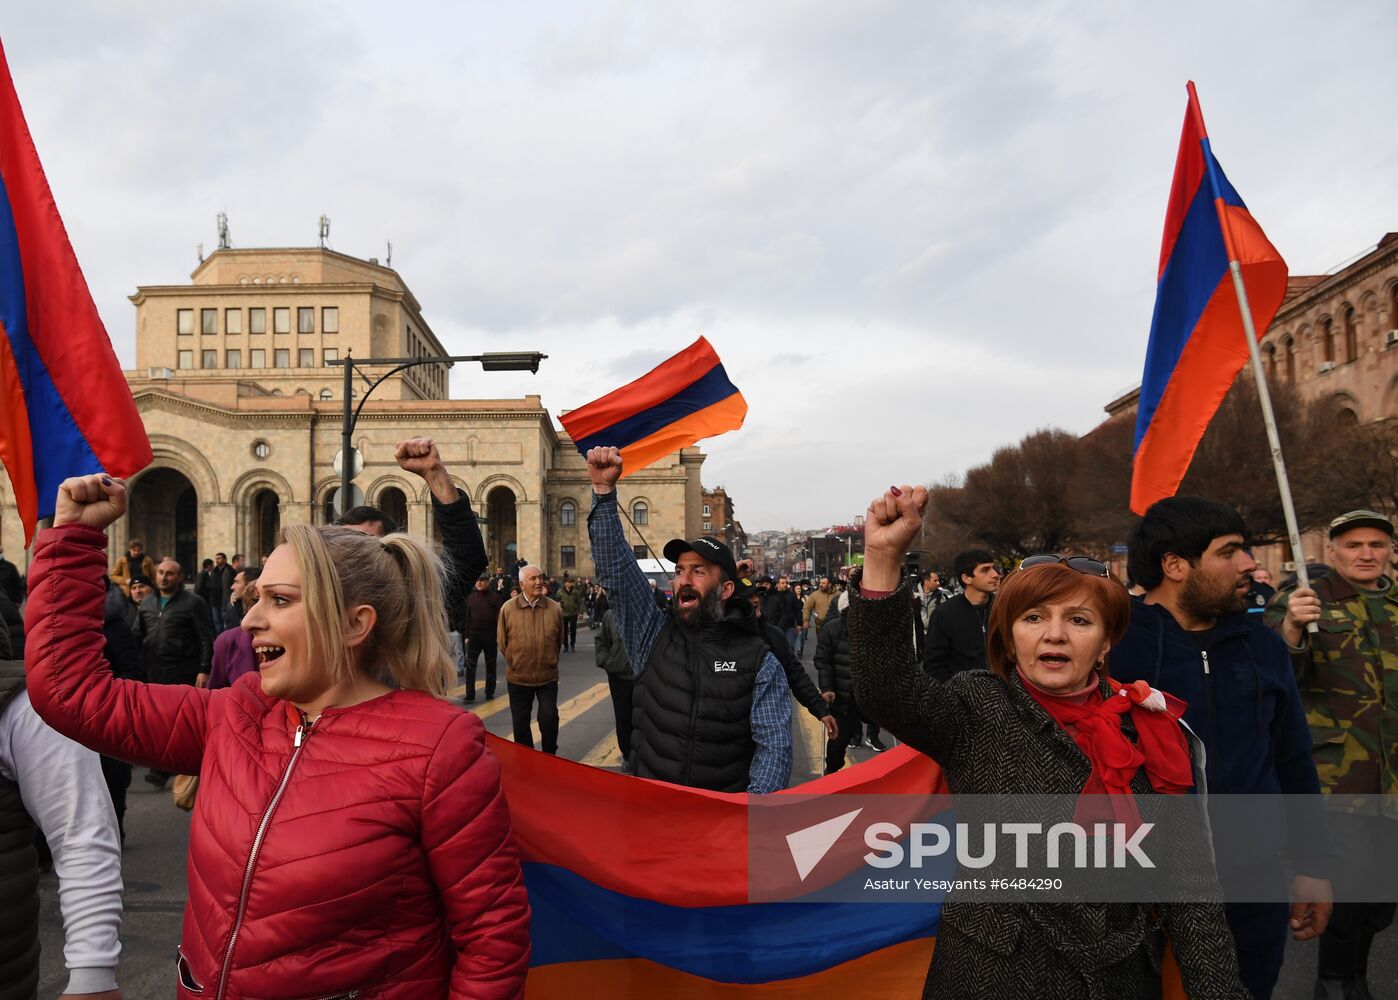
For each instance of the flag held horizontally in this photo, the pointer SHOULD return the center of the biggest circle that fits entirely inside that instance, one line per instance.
(1197, 342)
(65, 408)
(685, 399)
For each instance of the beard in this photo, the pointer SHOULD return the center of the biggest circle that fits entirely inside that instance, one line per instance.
(709, 608)
(1207, 598)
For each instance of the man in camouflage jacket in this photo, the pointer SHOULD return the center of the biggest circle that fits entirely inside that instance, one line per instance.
(1348, 675)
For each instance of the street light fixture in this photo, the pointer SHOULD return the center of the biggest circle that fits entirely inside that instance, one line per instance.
(498, 361)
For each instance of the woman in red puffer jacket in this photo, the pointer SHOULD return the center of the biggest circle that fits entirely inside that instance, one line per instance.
(349, 839)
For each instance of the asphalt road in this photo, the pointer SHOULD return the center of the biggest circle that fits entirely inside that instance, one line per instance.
(158, 836)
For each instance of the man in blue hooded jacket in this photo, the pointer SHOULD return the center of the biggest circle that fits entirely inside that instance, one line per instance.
(1190, 635)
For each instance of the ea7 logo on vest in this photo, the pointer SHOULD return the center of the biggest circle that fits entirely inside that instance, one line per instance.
(725, 666)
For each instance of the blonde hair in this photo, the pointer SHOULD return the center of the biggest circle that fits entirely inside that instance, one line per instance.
(400, 577)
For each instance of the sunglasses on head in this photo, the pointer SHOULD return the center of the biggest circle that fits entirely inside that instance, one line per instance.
(1089, 567)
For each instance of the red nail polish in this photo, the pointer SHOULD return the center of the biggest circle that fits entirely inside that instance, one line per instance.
(895, 491)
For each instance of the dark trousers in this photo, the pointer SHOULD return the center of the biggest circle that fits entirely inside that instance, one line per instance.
(1368, 844)
(1259, 931)
(622, 688)
(835, 749)
(522, 710)
(117, 775)
(570, 631)
(474, 648)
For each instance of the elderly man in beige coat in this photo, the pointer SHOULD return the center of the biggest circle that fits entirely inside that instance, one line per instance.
(528, 635)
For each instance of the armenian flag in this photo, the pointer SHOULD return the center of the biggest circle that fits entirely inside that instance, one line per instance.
(641, 889)
(685, 399)
(1197, 343)
(65, 409)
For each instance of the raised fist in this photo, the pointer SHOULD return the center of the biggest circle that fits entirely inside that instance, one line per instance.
(417, 455)
(890, 525)
(96, 501)
(604, 468)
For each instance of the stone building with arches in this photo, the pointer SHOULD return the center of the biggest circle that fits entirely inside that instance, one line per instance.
(244, 418)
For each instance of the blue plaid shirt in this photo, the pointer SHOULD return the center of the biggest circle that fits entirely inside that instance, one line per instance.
(639, 621)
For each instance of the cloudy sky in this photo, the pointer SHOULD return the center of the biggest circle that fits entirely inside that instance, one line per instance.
(913, 230)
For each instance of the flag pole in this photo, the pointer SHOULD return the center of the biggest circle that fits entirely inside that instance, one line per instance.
(1264, 396)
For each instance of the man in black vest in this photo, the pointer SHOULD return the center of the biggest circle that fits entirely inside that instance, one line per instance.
(712, 705)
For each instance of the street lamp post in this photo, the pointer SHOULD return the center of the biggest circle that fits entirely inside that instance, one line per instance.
(499, 361)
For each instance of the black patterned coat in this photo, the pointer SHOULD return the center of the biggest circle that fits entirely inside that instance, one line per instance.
(991, 737)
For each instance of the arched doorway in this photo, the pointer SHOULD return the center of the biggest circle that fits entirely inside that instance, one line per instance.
(393, 503)
(266, 523)
(163, 512)
(501, 528)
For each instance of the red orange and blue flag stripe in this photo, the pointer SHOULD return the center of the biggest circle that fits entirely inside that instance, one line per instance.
(1197, 344)
(685, 399)
(65, 408)
(641, 889)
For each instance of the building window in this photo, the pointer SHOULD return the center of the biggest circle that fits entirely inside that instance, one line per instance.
(233, 321)
(567, 513)
(184, 320)
(568, 557)
(330, 354)
(257, 358)
(281, 357)
(305, 319)
(326, 394)
(186, 359)
(261, 449)
(208, 321)
(1351, 335)
(281, 319)
(640, 513)
(706, 510)
(1289, 348)
(232, 359)
(306, 358)
(208, 359)
(1327, 340)
(330, 319)
(257, 320)
(640, 552)
(708, 526)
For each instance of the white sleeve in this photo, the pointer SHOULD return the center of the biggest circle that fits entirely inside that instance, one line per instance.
(64, 793)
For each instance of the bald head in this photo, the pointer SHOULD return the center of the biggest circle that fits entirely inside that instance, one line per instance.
(168, 576)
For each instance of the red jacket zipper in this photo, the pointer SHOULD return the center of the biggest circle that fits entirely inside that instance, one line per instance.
(303, 732)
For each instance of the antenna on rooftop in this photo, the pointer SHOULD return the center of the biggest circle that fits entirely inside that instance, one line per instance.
(388, 261)
(324, 230)
(223, 241)
(201, 253)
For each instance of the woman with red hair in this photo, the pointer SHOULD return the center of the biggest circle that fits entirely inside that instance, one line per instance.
(1045, 719)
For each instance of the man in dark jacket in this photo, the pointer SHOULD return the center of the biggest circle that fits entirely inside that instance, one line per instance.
(796, 677)
(176, 635)
(956, 630)
(220, 588)
(1191, 635)
(713, 709)
(782, 610)
(621, 681)
(837, 687)
(481, 617)
(570, 599)
(462, 544)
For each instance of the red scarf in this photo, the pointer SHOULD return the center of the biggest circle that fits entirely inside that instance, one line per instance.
(1094, 722)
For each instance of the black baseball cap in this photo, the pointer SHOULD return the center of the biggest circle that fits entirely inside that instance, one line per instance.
(140, 578)
(709, 548)
(1360, 519)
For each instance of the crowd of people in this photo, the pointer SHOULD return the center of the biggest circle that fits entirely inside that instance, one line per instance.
(316, 685)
